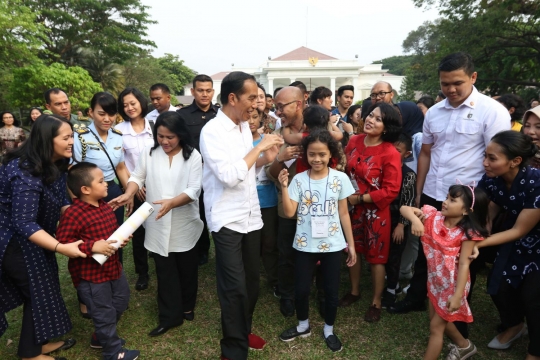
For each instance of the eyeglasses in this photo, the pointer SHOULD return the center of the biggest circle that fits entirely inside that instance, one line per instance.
(280, 107)
(380, 94)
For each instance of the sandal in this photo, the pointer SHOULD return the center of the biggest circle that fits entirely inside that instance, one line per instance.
(373, 314)
(348, 300)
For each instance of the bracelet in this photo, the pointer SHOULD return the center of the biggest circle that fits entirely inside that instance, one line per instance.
(351, 133)
(58, 243)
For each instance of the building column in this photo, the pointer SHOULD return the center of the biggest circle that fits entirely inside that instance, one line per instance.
(333, 88)
(271, 86)
(356, 90)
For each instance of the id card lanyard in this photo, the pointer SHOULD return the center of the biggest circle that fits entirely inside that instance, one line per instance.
(319, 224)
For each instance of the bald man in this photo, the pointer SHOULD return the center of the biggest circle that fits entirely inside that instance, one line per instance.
(289, 103)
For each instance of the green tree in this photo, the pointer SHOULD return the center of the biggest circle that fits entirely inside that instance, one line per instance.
(116, 27)
(179, 74)
(396, 65)
(30, 82)
(110, 76)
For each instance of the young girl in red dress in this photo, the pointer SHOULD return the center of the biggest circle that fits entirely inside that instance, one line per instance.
(448, 238)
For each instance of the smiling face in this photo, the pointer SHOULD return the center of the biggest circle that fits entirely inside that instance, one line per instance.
(8, 119)
(453, 207)
(374, 125)
(245, 104)
(531, 127)
(169, 141)
(456, 85)
(63, 142)
(318, 156)
(102, 120)
(496, 163)
(254, 122)
(34, 114)
(132, 106)
(261, 99)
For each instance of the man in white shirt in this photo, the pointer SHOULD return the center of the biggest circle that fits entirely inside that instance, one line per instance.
(456, 132)
(232, 210)
(160, 96)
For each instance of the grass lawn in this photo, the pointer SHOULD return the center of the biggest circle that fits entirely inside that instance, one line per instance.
(394, 337)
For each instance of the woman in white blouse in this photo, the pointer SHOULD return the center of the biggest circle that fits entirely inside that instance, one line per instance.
(171, 170)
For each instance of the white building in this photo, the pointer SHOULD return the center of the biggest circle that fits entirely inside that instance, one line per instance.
(315, 69)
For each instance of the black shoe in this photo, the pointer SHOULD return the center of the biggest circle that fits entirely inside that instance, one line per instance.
(286, 307)
(292, 333)
(160, 330)
(388, 299)
(333, 343)
(276, 292)
(142, 282)
(322, 308)
(203, 259)
(68, 343)
(190, 316)
(405, 306)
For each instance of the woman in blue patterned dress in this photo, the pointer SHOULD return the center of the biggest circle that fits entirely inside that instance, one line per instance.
(32, 196)
(514, 282)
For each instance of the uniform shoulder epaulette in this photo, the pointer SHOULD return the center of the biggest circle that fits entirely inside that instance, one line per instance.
(82, 131)
(116, 131)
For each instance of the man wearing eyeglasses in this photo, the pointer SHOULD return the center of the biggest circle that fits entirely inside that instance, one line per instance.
(196, 116)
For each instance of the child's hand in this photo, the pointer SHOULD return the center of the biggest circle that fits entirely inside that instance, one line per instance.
(351, 256)
(417, 228)
(475, 252)
(420, 215)
(283, 178)
(104, 247)
(453, 304)
(126, 241)
(398, 234)
(348, 128)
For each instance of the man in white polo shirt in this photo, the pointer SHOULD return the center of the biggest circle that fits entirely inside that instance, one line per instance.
(160, 96)
(232, 210)
(455, 135)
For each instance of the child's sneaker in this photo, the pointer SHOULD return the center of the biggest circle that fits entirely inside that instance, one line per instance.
(457, 353)
(125, 354)
(388, 299)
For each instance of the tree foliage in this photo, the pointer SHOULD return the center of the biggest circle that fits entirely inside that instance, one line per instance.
(503, 36)
(109, 75)
(30, 82)
(396, 65)
(116, 27)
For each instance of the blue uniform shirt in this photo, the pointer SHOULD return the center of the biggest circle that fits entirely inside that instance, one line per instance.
(87, 148)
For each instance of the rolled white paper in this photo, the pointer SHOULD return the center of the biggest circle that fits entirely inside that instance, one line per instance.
(127, 228)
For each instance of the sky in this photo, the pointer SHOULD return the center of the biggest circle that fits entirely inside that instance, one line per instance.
(210, 35)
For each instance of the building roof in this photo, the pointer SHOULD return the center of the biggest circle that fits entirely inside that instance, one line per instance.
(303, 53)
(220, 75)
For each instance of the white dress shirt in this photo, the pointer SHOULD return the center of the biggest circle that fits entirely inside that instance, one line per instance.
(460, 136)
(180, 228)
(134, 143)
(153, 115)
(230, 188)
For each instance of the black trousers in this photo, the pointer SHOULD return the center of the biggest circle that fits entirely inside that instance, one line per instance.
(14, 267)
(393, 264)
(203, 244)
(524, 302)
(237, 269)
(113, 192)
(285, 239)
(177, 279)
(140, 254)
(330, 268)
(269, 250)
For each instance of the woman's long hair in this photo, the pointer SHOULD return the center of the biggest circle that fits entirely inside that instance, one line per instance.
(36, 153)
(172, 121)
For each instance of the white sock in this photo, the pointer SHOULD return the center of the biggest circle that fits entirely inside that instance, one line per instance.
(303, 325)
(328, 330)
(391, 291)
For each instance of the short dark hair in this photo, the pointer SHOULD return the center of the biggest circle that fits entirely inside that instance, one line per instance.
(160, 86)
(441, 95)
(352, 110)
(426, 100)
(277, 90)
(391, 121)
(457, 61)
(344, 88)
(16, 122)
(202, 78)
(319, 93)
(36, 153)
(106, 101)
(234, 83)
(299, 85)
(79, 176)
(47, 94)
(513, 101)
(316, 117)
(260, 86)
(514, 144)
(268, 96)
(143, 101)
(174, 122)
(405, 140)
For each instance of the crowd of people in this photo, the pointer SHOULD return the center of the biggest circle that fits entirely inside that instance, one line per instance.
(286, 180)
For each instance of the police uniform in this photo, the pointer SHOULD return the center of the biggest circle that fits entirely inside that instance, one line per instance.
(90, 148)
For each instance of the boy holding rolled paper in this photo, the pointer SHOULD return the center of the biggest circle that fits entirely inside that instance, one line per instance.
(103, 288)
